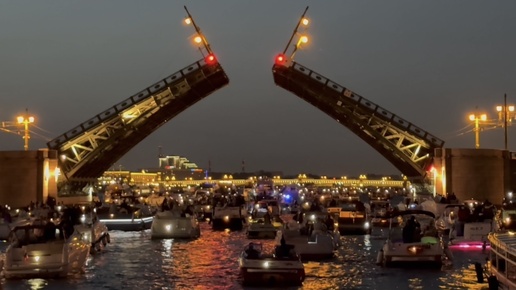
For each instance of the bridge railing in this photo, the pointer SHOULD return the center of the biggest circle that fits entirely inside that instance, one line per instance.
(120, 107)
(371, 106)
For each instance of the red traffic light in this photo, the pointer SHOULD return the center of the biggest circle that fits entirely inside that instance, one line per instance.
(281, 59)
(210, 59)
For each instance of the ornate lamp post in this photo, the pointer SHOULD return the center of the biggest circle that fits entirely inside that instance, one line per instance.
(477, 118)
(26, 120)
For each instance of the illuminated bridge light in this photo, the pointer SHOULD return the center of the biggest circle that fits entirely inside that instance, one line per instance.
(281, 59)
(210, 59)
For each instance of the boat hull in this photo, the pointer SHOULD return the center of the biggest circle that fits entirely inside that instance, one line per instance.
(128, 224)
(413, 253)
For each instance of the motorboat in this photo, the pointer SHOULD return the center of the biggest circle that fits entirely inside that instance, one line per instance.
(44, 250)
(92, 229)
(353, 218)
(125, 217)
(203, 203)
(466, 226)
(18, 217)
(406, 243)
(379, 211)
(232, 217)
(311, 237)
(263, 227)
(502, 260)
(174, 224)
(283, 267)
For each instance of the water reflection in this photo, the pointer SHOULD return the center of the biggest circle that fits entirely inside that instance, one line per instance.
(134, 261)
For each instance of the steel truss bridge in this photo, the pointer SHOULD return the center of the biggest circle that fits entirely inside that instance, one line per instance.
(92, 147)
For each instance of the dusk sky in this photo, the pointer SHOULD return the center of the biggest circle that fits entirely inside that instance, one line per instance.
(430, 62)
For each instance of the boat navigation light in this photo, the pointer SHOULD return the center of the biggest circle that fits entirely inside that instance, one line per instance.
(366, 225)
(83, 218)
(36, 258)
(266, 264)
(168, 227)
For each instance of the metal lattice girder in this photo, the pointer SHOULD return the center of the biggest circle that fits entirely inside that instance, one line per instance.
(408, 147)
(89, 149)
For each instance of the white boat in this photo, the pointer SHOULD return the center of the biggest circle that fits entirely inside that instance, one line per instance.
(406, 244)
(171, 224)
(6, 227)
(502, 260)
(39, 251)
(311, 239)
(92, 229)
(231, 217)
(464, 228)
(283, 267)
(262, 228)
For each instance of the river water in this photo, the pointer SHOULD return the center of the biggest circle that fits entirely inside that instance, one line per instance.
(134, 261)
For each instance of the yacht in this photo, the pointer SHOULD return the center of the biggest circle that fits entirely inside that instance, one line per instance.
(280, 268)
(173, 224)
(407, 244)
(42, 251)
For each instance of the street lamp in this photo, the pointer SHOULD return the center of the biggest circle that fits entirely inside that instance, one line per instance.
(477, 119)
(26, 120)
(505, 115)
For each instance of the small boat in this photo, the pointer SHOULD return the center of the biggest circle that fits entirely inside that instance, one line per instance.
(283, 267)
(44, 250)
(353, 218)
(92, 229)
(406, 244)
(172, 224)
(228, 217)
(379, 212)
(502, 260)
(311, 238)
(261, 227)
(465, 226)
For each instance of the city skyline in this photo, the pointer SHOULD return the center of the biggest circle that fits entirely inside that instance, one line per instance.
(432, 64)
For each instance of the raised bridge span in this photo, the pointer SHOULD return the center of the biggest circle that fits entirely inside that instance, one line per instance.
(92, 147)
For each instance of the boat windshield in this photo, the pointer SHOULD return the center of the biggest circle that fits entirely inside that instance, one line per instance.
(34, 234)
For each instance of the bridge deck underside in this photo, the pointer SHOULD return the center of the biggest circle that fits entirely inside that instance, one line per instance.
(407, 147)
(92, 147)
